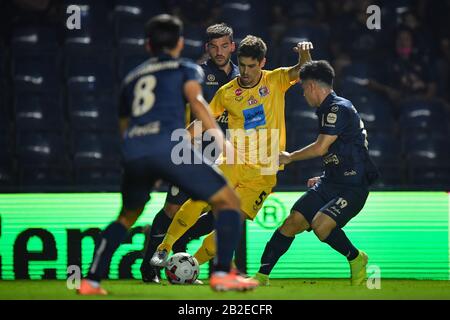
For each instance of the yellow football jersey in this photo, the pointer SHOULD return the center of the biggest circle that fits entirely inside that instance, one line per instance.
(255, 117)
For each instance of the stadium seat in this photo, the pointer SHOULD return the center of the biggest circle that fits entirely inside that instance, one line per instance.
(294, 100)
(317, 35)
(424, 116)
(376, 112)
(35, 39)
(91, 113)
(428, 160)
(45, 177)
(137, 8)
(99, 179)
(129, 62)
(36, 112)
(7, 176)
(90, 74)
(40, 73)
(6, 147)
(351, 80)
(41, 150)
(130, 35)
(95, 31)
(238, 14)
(385, 151)
(96, 150)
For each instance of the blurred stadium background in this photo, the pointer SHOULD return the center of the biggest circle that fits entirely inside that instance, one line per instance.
(58, 115)
(58, 87)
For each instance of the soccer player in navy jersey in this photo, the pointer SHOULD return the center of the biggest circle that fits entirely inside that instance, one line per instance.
(152, 107)
(341, 192)
(218, 70)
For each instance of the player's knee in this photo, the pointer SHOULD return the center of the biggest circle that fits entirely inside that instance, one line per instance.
(320, 230)
(226, 198)
(294, 224)
(171, 209)
(128, 217)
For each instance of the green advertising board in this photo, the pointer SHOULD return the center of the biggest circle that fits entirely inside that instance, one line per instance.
(406, 235)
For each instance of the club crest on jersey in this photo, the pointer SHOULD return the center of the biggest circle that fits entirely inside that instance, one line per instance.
(252, 101)
(238, 92)
(331, 117)
(263, 91)
(211, 77)
(334, 109)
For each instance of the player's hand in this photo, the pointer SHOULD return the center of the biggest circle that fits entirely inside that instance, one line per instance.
(312, 181)
(302, 49)
(285, 157)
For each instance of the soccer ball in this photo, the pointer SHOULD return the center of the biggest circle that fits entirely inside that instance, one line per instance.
(182, 268)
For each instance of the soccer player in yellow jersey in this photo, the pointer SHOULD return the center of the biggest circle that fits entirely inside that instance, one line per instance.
(255, 103)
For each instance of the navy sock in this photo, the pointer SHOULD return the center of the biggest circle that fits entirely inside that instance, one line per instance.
(275, 248)
(158, 230)
(203, 226)
(110, 240)
(339, 242)
(228, 226)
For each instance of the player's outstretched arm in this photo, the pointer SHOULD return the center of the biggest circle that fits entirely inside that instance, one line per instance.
(316, 149)
(199, 106)
(304, 56)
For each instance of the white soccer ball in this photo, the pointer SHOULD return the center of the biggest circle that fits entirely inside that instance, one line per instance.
(182, 268)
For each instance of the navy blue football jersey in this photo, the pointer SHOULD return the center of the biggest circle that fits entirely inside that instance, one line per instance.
(214, 79)
(346, 161)
(152, 97)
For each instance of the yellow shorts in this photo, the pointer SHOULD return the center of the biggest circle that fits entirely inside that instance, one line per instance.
(252, 187)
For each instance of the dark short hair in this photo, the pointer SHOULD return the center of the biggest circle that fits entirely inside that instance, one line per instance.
(218, 31)
(319, 71)
(163, 32)
(252, 47)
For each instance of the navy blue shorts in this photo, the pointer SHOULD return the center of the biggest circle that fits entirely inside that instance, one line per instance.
(200, 181)
(341, 203)
(176, 196)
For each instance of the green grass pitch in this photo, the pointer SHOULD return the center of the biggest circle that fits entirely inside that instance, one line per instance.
(287, 289)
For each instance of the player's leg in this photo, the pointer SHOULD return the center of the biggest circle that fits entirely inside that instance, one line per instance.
(298, 221)
(252, 195)
(175, 198)
(228, 227)
(185, 218)
(203, 226)
(135, 190)
(206, 183)
(328, 224)
(207, 250)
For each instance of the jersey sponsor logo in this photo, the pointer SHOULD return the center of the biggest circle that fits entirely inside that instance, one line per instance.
(238, 99)
(223, 118)
(174, 191)
(263, 91)
(254, 117)
(350, 173)
(331, 118)
(252, 101)
(334, 109)
(238, 91)
(211, 80)
(331, 158)
(148, 129)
